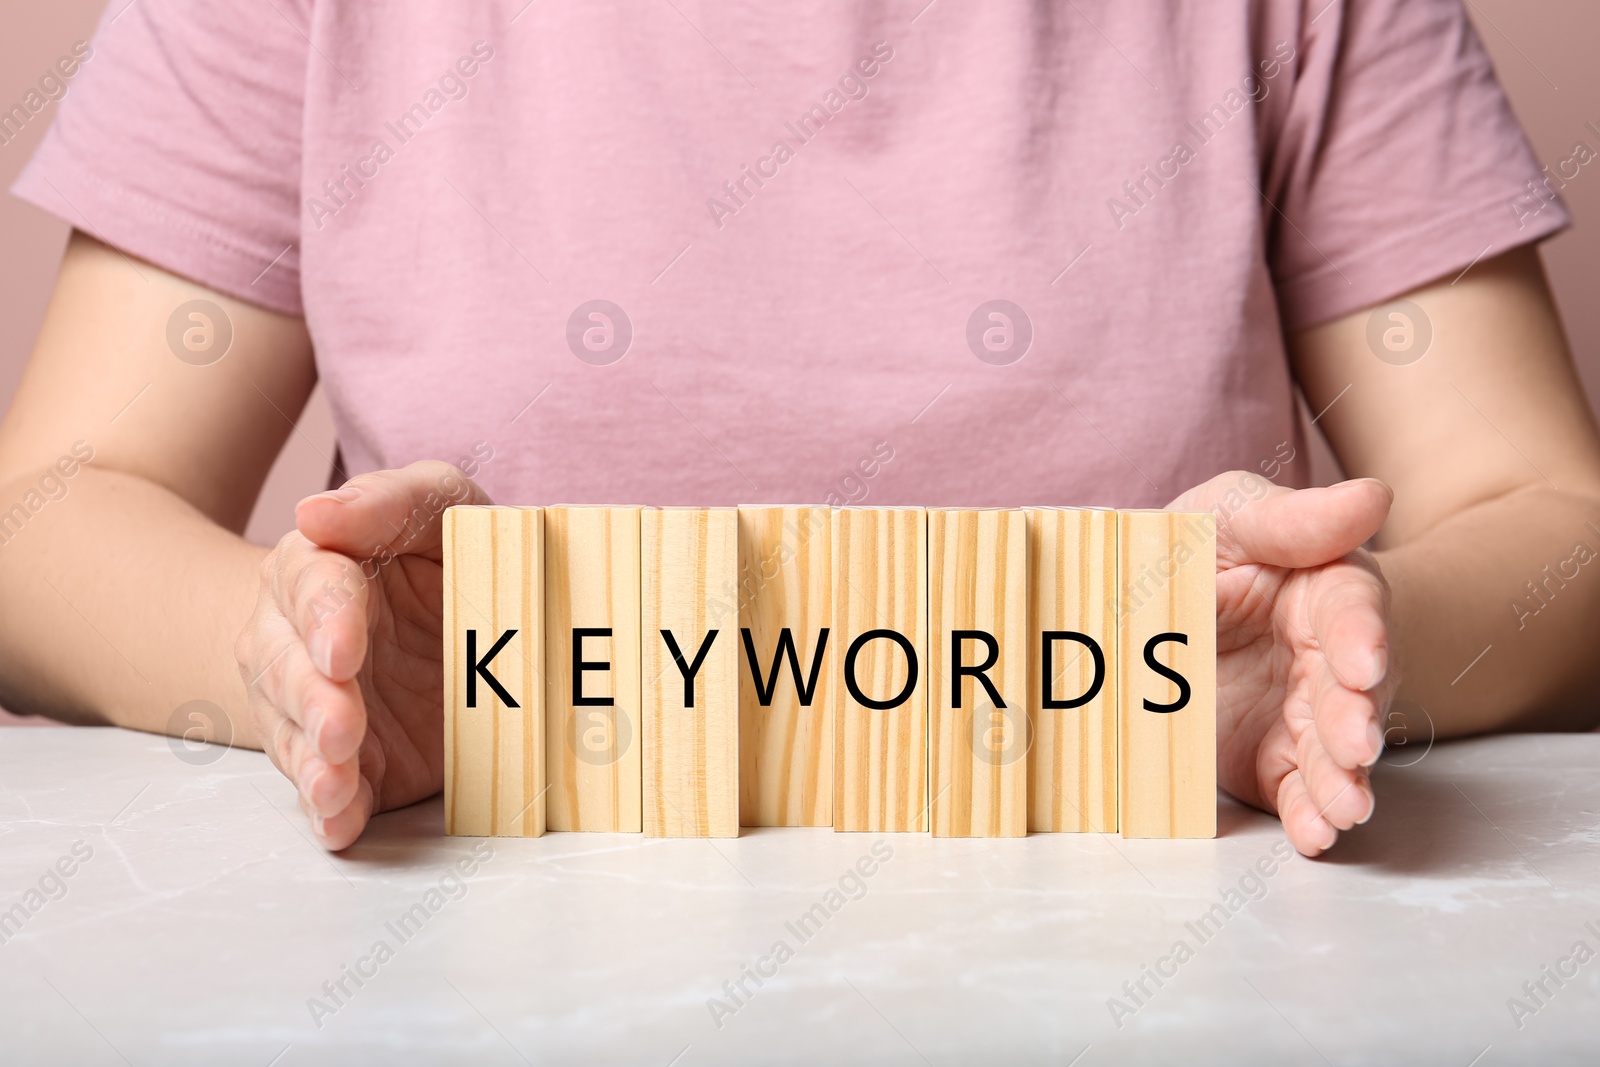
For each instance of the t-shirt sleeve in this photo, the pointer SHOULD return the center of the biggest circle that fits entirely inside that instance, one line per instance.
(179, 142)
(1398, 162)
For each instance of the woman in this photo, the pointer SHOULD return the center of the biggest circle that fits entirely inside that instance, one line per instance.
(679, 254)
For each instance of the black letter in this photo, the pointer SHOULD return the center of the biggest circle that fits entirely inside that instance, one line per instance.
(481, 666)
(785, 647)
(1050, 639)
(958, 670)
(689, 670)
(579, 665)
(1166, 672)
(850, 670)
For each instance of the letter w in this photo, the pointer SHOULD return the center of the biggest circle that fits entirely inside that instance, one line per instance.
(806, 688)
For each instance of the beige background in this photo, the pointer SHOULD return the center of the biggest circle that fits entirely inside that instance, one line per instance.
(1541, 49)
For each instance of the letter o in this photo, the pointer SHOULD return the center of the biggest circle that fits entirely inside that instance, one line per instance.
(850, 669)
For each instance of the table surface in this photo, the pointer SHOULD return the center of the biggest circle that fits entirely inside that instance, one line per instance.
(200, 921)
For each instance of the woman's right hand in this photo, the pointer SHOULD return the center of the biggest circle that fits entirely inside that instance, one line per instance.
(342, 656)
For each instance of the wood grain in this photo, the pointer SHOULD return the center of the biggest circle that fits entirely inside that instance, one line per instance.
(978, 750)
(880, 767)
(689, 569)
(1072, 769)
(494, 762)
(593, 752)
(786, 746)
(1167, 759)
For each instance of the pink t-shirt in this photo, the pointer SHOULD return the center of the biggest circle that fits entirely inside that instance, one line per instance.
(666, 253)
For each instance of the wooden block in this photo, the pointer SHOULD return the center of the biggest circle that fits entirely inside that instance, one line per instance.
(690, 560)
(1072, 769)
(786, 677)
(880, 762)
(1167, 674)
(591, 615)
(494, 765)
(978, 674)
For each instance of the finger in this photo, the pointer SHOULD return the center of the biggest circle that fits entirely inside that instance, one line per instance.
(325, 596)
(1304, 527)
(1258, 522)
(330, 714)
(339, 830)
(387, 513)
(322, 787)
(1347, 610)
(1346, 720)
(1308, 831)
(1343, 797)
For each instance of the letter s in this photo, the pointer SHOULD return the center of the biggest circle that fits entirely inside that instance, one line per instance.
(883, 51)
(1166, 672)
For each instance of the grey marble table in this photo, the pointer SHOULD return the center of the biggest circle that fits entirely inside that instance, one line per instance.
(175, 912)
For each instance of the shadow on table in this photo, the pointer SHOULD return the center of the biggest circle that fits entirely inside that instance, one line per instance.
(1234, 816)
(407, 835)
(1431, 820)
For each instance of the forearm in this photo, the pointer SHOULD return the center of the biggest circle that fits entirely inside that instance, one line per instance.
(1496, 613)
(122, 603)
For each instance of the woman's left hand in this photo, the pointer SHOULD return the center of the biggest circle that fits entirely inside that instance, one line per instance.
(1303, 672)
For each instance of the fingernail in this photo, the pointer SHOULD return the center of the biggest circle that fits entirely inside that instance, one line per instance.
(314, 727)
(321, 651)
(318, 824)
(1372, 803)
(343, 495)
(1328, 837)
(1374, 742)
(1377, 668)
(311, 779)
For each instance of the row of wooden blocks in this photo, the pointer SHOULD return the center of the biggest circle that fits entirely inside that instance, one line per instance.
(686, 671)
